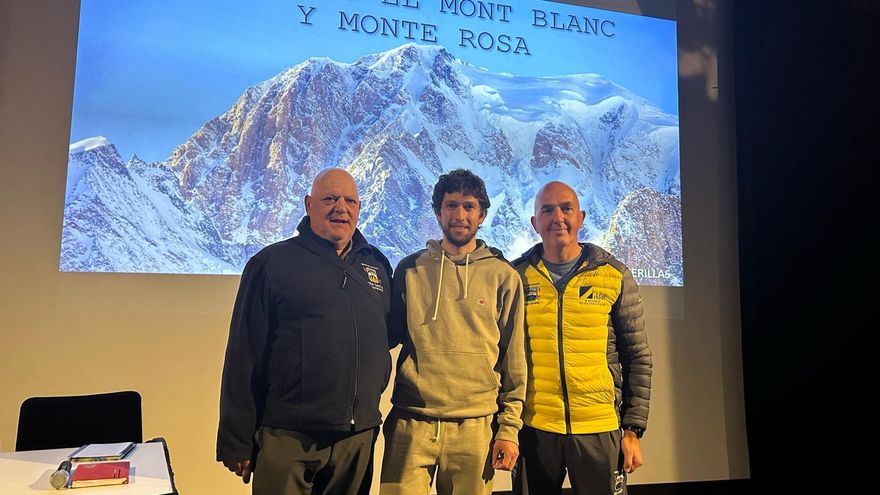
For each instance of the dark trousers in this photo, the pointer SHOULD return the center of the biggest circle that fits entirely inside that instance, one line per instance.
(594, 463)
(313, 463)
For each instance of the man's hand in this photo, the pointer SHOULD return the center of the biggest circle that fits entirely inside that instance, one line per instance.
(632, 451)
(240, 468)
(504, 454)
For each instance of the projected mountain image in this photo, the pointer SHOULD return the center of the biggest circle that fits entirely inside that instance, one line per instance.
(395, 120)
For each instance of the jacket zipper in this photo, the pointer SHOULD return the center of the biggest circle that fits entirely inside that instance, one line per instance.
(559, 312)
(565, 404)
(560, 351)
(357, 350)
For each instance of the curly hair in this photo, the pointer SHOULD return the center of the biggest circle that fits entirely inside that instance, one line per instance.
(460, 181)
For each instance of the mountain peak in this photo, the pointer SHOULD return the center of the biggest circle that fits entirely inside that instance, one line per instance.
(88, 144)
(415, 48)
(407, 55)
(136, 161)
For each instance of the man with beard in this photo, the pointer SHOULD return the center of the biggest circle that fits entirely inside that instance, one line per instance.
(589, 364)
(307, 357)
(457, 308)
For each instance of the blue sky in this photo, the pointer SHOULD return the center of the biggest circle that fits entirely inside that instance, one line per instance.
(150, 73)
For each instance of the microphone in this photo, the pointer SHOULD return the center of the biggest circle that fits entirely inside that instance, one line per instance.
(61, 476)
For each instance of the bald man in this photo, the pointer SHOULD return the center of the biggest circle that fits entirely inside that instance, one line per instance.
(307, 356)
(588, 360)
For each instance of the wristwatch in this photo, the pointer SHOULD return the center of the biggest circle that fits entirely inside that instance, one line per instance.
(638, 430)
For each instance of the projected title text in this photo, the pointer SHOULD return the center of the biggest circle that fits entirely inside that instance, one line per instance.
(487, 40)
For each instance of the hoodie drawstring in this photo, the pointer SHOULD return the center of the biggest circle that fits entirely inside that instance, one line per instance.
(436, 437)
(439, 286)
(467, 260)
(467, 264)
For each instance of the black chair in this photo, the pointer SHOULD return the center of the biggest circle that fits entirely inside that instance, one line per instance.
(72, 421)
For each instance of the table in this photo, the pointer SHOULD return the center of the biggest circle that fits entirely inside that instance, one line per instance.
(27, 472)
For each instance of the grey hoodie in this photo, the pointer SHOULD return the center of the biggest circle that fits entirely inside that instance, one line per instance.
(461, 325)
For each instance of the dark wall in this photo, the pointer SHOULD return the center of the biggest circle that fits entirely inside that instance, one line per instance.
(805, 135)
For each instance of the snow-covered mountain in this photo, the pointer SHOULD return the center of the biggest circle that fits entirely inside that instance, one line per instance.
(130, 217)
(395, 120)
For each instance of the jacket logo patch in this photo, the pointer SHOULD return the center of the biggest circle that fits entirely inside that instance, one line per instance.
(588, 296)
(373, 277)
(531, 293)
(481, 301)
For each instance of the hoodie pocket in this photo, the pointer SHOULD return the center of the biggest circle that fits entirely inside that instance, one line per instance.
(456, 373)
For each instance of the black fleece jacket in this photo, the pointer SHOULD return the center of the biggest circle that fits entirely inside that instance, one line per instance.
(308, 345)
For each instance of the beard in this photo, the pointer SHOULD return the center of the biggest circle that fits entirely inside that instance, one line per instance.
(456, 239)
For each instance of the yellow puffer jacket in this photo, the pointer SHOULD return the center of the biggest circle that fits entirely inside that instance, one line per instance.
(582, 333)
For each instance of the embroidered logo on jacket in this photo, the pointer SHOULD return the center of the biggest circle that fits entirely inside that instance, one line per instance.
(531, 293)
(373, 277)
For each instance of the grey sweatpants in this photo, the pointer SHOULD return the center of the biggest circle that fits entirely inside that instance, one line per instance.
(454, 453)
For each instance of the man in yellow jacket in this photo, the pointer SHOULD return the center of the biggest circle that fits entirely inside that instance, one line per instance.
(589, 364)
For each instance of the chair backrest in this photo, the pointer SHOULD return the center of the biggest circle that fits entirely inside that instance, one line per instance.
(72, 421)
